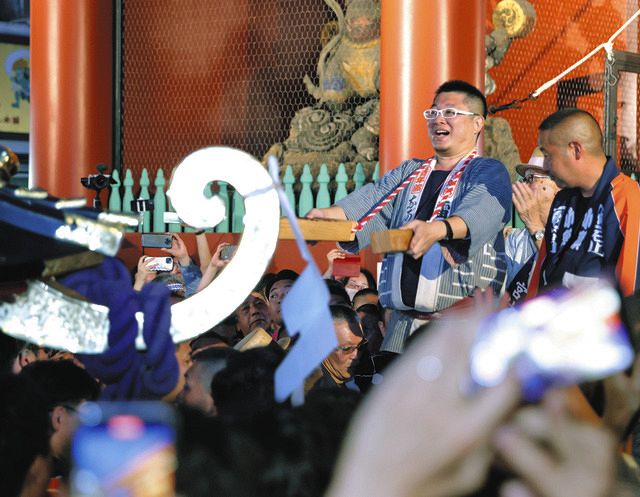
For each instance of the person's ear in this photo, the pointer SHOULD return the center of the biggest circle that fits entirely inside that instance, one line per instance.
(57, 416)
(478, 124)
(576, 150)
(23, 359)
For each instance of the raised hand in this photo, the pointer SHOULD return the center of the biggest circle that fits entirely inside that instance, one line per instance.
(554, 455)
(418, 432)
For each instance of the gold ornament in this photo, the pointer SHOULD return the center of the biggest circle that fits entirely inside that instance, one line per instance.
(516, 17)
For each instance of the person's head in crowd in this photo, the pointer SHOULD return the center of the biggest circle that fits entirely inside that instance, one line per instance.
(348, 331)
(372, 322)
(542, 185)
(174, 281)
(246, 384)
(365, 296)
(277, 289)
(24, 437)
(216, 337)
(282, 451)
(267, 454)
(183, 356)
(354, 284)
(196, 392)
(337, 293)
(66, 387)
(571, 141)
(28, 353)
(253, 313)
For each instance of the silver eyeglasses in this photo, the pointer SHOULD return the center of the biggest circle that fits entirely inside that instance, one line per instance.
(448, 113)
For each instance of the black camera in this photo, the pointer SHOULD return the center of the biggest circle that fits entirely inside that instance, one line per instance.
(95, 181)
(98, 181)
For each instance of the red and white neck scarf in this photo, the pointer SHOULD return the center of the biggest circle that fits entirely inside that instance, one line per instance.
(419, 179)
(447, 192)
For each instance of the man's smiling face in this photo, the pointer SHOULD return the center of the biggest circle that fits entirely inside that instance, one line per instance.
(451, 137)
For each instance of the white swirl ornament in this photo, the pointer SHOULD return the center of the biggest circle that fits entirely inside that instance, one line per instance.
(205, 309)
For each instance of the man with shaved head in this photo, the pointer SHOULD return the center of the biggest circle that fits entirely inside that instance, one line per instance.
(593, 228)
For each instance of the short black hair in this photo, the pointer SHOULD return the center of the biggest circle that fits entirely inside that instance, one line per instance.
(62, 381)
(553, 120)
(246, 384)
(585, 128)
(347, 313)
(459, 86)
(336, 289)
(370, 316)
(365, 291)
(285, 274)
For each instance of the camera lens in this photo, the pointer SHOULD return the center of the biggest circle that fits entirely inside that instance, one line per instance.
(101, 181)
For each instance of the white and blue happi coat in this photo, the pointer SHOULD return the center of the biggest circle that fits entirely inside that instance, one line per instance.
(482, 199)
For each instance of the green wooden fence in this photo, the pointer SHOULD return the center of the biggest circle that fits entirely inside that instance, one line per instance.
(122, 193)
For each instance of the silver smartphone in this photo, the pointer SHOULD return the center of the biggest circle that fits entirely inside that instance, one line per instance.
(160, 264)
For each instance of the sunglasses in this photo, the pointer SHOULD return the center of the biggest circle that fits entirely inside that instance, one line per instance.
(351, 348)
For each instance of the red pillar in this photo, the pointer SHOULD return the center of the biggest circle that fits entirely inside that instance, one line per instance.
(423, 44)
(71, 92)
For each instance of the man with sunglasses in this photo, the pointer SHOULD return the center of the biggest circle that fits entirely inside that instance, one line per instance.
(456, 203)
(335, 370)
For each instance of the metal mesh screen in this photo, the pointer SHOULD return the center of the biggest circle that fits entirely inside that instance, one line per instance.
(563, 33)
(627, 122)
(231, 72)
(200, 73)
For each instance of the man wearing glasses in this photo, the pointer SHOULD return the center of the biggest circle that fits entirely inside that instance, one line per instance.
(456, 203)
(532, 198)
(335, 370)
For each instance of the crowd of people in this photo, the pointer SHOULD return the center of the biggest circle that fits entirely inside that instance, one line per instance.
(393, 410)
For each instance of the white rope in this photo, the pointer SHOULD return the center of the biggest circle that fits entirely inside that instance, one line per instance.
(607, 47)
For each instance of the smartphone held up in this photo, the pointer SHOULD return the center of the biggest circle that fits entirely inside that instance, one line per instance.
(156, 240)
(159, 264)
(227, 252)
(561, 338)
